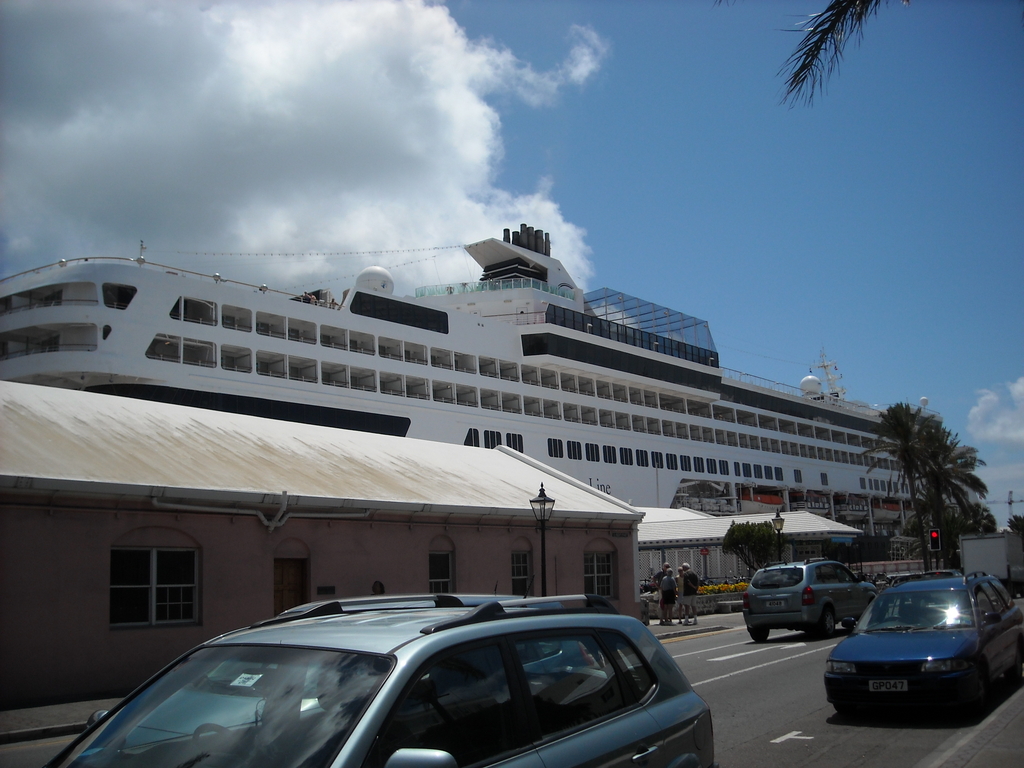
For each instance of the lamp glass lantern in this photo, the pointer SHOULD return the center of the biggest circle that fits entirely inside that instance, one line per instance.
(777, 523)
(542, 506)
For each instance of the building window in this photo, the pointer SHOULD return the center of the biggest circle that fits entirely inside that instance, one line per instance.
(492, 439)
(593, 452)
(712, 467)
(723, 467)
(671, 461)
(684, 462)
(642, 458)
(608, 452)
(698, 464)
(440, 572)
(736, 468)
(473, 437)
(758, 472)
(824, 479)
(626, 456)
(597, 573)
(574, 449)
(555, 448)
(798, 476)
(778, 474)
(153, 586)
(514, 441)
(657, 459)
(521, 573)
(746, 469)
(767, 472)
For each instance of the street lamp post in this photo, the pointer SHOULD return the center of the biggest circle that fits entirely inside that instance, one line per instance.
(542, 506)
(777, 523)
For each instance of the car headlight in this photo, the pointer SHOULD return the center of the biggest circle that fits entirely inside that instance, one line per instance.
(945, 665)
(840, 667)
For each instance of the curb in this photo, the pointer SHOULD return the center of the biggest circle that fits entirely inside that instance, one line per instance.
(42, 732)
(701, 630)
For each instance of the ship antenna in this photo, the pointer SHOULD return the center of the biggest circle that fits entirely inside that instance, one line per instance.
(142, 247)
(832, 376)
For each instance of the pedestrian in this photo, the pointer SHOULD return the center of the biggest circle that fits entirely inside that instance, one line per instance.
(690, 583)
(656, 580)
(668, 597)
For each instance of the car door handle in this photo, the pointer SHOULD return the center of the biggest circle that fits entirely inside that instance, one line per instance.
(646, 754)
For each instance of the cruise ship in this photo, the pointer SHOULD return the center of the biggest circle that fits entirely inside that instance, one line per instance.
(622, 394)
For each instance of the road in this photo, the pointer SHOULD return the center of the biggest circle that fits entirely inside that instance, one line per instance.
(769, 709)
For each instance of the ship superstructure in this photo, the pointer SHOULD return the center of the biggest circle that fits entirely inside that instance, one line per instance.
(622, 394)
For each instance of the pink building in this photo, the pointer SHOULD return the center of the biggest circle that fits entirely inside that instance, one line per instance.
(131, 531)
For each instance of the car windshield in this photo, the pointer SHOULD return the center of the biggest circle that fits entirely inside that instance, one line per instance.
(245, 706)
(938, 609)
(777, 577)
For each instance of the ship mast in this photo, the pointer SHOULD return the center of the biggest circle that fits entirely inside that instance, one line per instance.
(832, 377)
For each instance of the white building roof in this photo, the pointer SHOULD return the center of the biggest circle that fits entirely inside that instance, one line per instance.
(69, 440)
(687, 527)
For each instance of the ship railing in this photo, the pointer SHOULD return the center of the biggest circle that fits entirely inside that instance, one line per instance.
(53, 303)
(509, 284)
(789, 389)
(48, 348)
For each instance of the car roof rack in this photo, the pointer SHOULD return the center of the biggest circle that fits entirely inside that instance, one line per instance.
(553, 604)
(529, 606)
(362, 604)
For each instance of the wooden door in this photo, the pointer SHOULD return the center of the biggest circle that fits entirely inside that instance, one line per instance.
(289, 584)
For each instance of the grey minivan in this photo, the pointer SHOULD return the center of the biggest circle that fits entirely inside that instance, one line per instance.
(428, 681)
(812, 596)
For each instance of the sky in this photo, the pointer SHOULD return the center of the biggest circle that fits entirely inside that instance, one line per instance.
(295, 143)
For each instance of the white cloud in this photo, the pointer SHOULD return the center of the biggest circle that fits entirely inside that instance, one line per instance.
(996, 420)
(293, 127)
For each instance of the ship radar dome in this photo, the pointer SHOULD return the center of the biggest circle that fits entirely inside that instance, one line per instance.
(924, 402)
(376, 279)
(810, 385)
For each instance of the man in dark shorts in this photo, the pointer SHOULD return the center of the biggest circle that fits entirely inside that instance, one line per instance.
(668, 596)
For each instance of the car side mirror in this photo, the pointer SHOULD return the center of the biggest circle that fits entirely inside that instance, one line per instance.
(992, 618)
(849, 622)
(95, 717)
(421, 758)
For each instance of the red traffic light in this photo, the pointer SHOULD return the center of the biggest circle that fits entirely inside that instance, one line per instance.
(934, 539)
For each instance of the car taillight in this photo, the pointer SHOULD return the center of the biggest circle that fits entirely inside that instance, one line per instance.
(746, 600)
(807, 596)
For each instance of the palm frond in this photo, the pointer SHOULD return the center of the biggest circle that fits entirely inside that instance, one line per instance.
(818, 55)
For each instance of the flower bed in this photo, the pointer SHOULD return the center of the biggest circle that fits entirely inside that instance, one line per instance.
(722, 589)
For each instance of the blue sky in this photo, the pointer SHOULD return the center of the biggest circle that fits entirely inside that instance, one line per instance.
(882, 224)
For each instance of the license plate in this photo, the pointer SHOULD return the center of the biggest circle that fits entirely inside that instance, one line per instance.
(775, 603)
(887, 685)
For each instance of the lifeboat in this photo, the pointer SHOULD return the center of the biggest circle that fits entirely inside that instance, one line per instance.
(759, 502)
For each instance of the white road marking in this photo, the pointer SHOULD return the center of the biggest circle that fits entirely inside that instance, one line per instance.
(791, 735)
(757, 650)
(766, 664)
(720, 647)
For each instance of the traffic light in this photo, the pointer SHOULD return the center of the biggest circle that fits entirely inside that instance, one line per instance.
(934, 540)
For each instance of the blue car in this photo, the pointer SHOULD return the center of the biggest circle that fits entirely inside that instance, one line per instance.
(937, 641)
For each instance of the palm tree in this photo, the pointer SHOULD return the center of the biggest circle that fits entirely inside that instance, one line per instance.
(898, 435)
(1016, 524)
(948, 479)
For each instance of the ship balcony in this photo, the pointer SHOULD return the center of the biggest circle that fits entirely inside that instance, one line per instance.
(35, 340)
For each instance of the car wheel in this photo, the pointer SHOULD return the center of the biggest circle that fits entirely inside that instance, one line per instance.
(1015, 674)
(827, 623)
(758, 634)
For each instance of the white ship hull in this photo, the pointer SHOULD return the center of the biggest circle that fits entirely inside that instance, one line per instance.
(475, 363)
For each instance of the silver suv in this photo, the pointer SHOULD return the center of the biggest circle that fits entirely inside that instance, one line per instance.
(810, 596)
(440, 681)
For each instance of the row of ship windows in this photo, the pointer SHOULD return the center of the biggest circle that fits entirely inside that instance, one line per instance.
(280, 326)
(610, 454)
(278, 365)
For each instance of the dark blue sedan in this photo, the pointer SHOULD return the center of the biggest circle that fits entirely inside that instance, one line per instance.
(940, 641)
